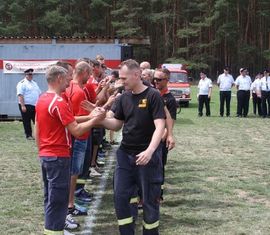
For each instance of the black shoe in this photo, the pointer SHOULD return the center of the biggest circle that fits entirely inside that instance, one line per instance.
(106, 146)
(30, 138)
(83, 196)
(87, 194)
(77, 212)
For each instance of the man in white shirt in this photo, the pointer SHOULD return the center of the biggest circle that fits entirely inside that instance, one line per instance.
(255, 92)
(243, 83)
(28, 93)
(225, 82)
(265, 89)
(204, 95)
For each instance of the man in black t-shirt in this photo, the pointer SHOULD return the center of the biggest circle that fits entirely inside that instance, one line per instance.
(140, 110)
(161, 78)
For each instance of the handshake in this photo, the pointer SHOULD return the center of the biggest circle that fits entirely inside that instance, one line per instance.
(97, 114)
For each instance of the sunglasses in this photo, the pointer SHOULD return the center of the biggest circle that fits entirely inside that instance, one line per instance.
(159, 79)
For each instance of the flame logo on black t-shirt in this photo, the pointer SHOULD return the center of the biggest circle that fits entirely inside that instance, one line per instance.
(142, 103)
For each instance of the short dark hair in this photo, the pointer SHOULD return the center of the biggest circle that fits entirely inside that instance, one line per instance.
(243, 69)
(164, 70)
(131, 64)
(85, 59)
(95, 63)
(204, 71)
(63, 64)
(115, 74)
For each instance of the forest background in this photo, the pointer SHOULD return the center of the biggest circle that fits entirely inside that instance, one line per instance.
(205, 34)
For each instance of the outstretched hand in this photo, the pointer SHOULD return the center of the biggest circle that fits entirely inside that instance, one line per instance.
(98, 114)
(87, 105)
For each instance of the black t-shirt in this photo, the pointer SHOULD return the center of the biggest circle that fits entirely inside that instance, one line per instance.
(138, 111)
(146, 83)
(171, 104)
(114, 105)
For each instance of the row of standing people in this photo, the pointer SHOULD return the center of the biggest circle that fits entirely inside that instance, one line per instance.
(258, 90)
(67, 108)
(80, 86)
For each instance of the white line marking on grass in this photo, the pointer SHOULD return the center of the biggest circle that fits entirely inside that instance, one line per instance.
(89, 221)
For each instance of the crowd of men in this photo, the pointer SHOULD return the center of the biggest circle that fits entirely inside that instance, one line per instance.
(258, 90)
(84, 100)
(70, 120)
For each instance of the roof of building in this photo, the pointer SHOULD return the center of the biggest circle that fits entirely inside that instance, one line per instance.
(75, 39)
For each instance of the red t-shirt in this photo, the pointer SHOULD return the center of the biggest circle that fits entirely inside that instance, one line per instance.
(64, 96)
(93, 81)
(90, 92)
(76, 95)
(53, 115)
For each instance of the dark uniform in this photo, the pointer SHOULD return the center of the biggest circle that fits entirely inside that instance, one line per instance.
(171, 105)
(138, 111)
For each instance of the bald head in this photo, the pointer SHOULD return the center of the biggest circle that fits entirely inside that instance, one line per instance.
(82, 67)
(147, 74)
(145, 65)
(82, 72)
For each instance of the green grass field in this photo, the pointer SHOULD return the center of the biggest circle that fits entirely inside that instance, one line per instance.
(217, 178)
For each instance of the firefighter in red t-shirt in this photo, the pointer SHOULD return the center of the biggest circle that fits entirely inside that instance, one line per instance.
(76, 96)
(54, 122)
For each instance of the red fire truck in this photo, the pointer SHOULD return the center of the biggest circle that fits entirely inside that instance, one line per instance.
(179, 84)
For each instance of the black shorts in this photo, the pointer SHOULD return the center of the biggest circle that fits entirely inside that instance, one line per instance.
(164, 153)
(97, 136)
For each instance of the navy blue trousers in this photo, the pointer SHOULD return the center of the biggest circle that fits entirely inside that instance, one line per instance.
(56, 178)
(128, 178)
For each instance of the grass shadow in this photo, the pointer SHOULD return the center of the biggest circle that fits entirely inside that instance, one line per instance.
(179, 180)
(170, 221)
(183, 121)
(198, 204)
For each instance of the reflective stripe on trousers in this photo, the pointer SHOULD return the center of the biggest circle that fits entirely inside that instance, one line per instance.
(150, 226)
(125, 221)
(81, 181)
(51, 232)
(134, 200)
(128, 178)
